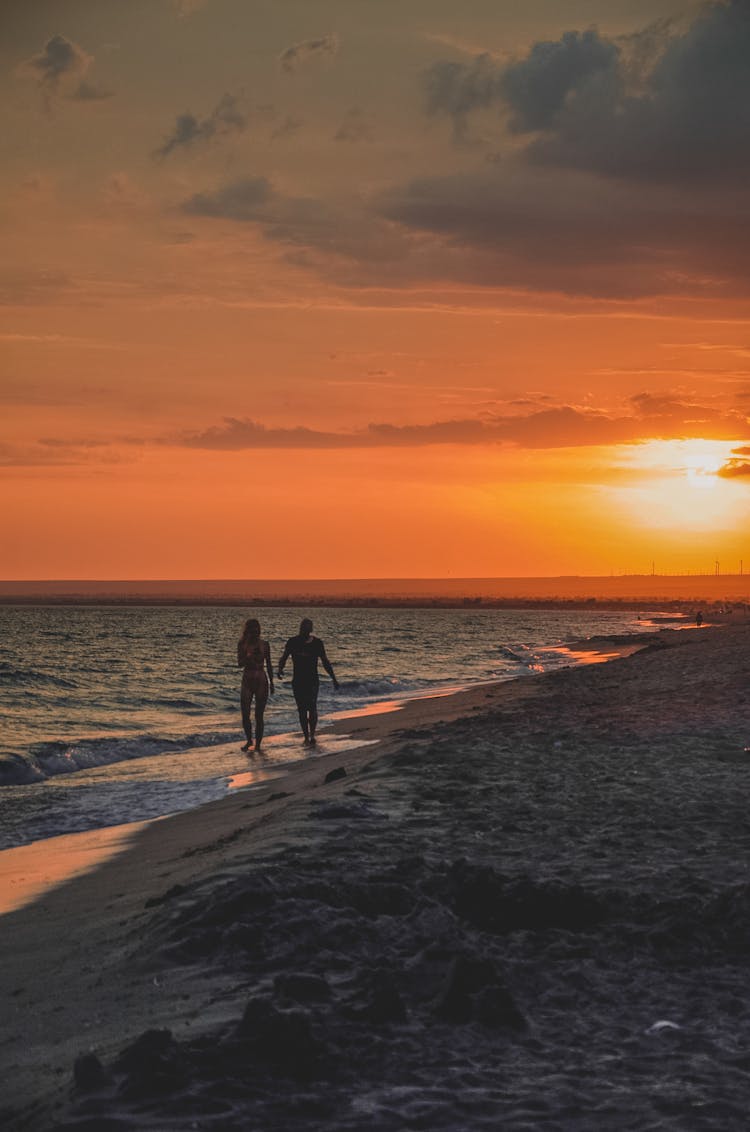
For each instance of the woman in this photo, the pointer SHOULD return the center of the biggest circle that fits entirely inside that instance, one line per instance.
(252, 654)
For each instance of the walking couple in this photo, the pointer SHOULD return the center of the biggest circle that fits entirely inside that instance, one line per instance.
(254, 657)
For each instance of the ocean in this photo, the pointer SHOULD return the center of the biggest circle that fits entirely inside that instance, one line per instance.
(113, 714)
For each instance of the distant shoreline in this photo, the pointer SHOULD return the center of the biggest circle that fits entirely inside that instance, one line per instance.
(624, 592)
(317, 601)
(312, 601)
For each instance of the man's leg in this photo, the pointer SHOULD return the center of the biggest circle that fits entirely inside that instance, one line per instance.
(302, 713)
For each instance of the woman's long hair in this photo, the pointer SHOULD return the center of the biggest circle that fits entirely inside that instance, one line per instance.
(251, 632)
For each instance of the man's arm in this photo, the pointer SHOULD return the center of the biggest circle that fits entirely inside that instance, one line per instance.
(269, 666)
(284, 659)
(327, 664)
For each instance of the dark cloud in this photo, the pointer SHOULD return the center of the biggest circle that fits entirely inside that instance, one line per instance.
(668, 105)
(240, 200)
(58, 60)
(514, 226)
(328, 230)
(560, 427)
(735, 469)
(90, 92)
(299, 53)
(538, 87)
(227, 117)
(458, 89)
(60, 69)
(535, 88)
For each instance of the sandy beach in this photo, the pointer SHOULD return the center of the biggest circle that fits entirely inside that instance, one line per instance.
(525, 906)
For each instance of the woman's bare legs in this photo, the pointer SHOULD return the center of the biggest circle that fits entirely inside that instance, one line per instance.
(246, 699)
(261, 699)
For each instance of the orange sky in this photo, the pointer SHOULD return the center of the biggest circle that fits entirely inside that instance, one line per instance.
(354, 289)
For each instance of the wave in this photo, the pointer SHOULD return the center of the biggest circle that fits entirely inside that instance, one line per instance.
(383, 686)
(182, 705)
(31, 677)
(55, 757)
(520, 655)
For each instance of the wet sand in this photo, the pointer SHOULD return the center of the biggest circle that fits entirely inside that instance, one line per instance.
(526, 907)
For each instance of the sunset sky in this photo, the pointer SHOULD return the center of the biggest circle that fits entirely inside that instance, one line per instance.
(341, 288)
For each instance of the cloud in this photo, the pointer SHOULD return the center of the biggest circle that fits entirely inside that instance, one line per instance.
(240, 200)
(227, 117)
(293, 57)
(559, 427)
(512, 226)
(538, 87)
(60, 69)
(331, 230)
(535, 88)
(90, 92)
(669, 104)
(458, 89)
(735, 469)
(59, 60)
(672, 410)
(741, 451)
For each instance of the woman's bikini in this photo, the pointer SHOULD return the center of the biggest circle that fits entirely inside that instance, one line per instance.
(254, 673)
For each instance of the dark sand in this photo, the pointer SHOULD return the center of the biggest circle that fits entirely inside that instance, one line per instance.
(527, 908)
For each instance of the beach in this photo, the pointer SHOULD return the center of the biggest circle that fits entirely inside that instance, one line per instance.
(523, 906)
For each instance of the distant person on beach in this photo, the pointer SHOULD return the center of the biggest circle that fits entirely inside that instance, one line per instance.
(254, 655)
(305, 651)
(699, 619)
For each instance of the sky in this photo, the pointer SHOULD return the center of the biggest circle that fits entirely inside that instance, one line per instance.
(358, 288)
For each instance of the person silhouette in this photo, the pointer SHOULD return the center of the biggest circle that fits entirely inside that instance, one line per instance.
(305, 651)
(253, 654)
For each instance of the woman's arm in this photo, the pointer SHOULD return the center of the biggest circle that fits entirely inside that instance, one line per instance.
(284, 659)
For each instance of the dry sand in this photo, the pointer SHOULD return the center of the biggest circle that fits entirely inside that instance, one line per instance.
(527, 907)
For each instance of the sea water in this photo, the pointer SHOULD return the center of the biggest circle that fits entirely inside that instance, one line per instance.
(111, 714)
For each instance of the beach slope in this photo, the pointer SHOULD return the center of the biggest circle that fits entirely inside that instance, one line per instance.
(526, 907)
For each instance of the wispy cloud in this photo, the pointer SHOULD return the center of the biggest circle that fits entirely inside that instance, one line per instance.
(560, 427)
(60, 69)
(227, 117)
(293, 57)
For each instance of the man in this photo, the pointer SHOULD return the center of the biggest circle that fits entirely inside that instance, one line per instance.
(305, 651)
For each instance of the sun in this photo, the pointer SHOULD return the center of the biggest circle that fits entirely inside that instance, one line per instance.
(700, 461)
(676, 487)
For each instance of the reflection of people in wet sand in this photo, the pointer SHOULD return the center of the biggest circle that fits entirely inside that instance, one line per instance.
(253, 654)
(305, 651)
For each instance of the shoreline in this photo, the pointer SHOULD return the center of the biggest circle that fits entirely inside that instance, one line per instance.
(341, 725)
(605, 789)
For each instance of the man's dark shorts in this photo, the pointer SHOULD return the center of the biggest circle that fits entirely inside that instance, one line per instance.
(306, 694)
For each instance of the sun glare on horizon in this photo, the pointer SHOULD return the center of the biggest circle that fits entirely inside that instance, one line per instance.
(679, 486)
